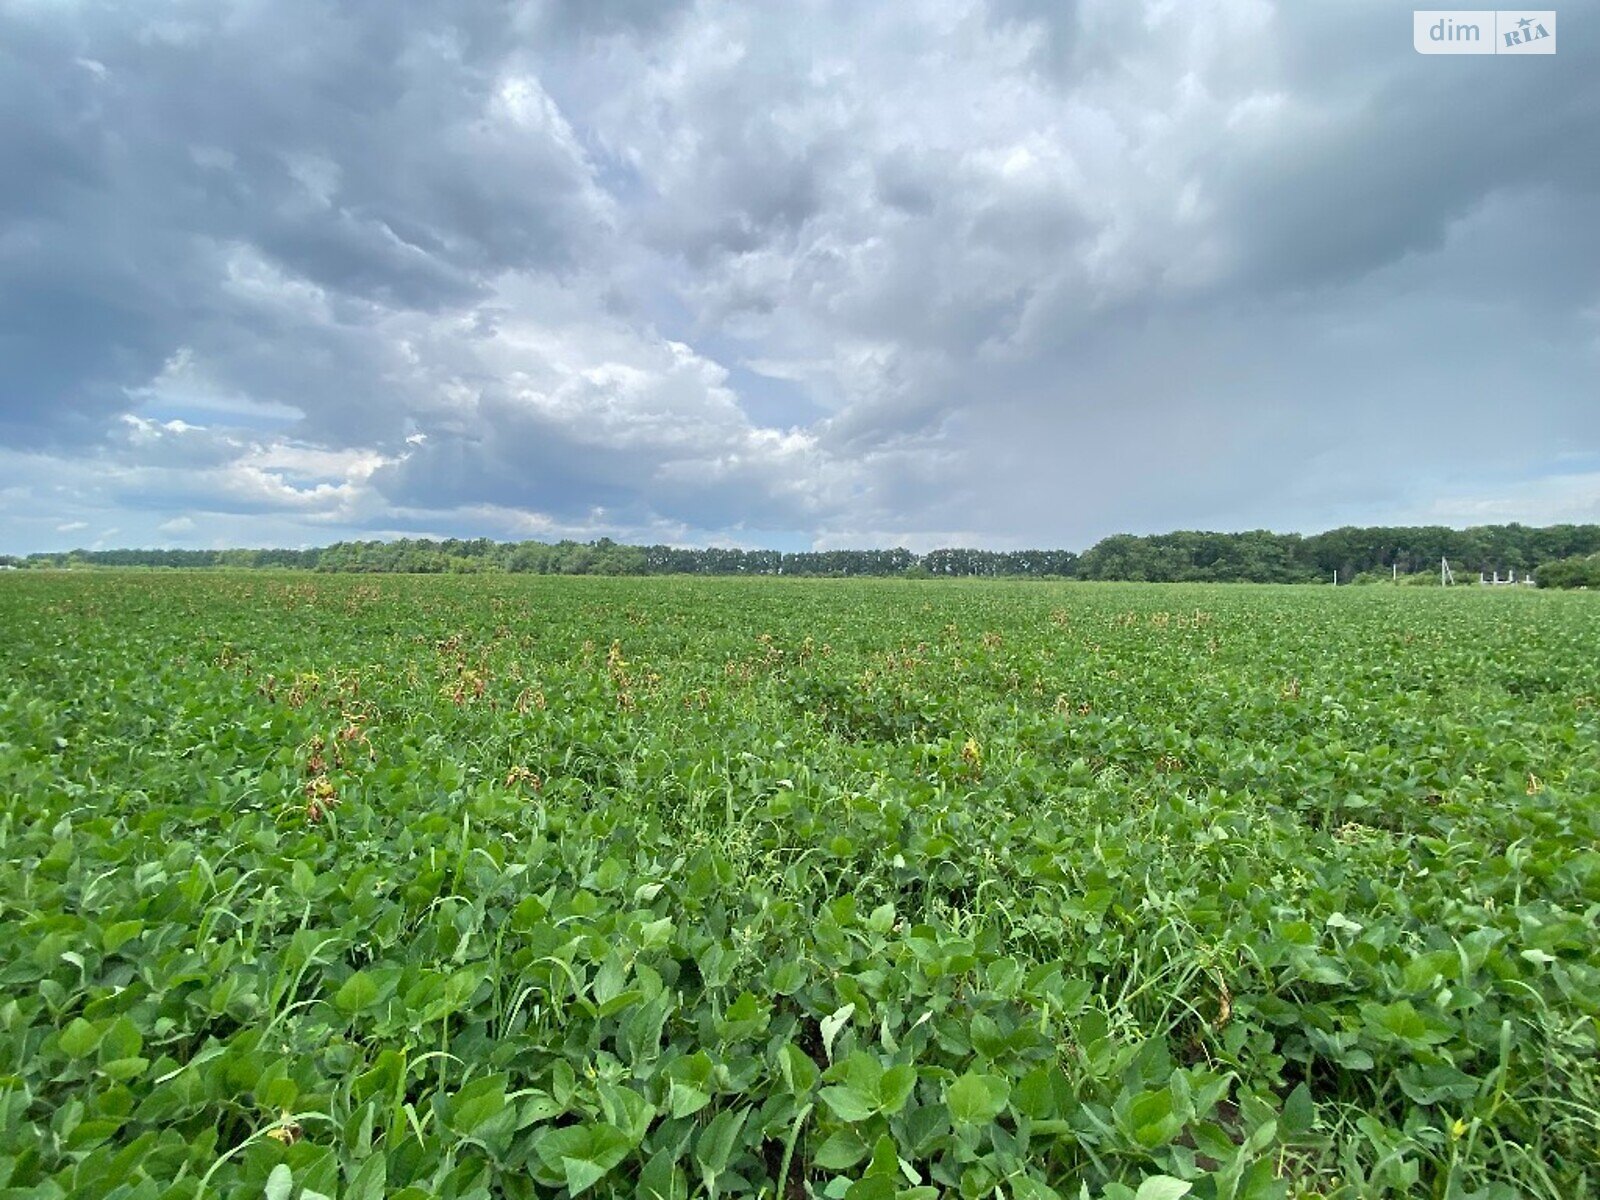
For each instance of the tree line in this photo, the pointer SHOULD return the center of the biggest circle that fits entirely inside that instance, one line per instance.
(1560, 554)
(1576, 572)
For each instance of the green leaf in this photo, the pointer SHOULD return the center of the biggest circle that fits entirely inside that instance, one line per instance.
(864, 1089)
(478, 1104)
(800, 1073)
(717, 1142)
(1026, 1187)
(583, 1153)
(1260, 1138)
(986, 1036)
(1034, 1095)
(976, 1099)
(369, 1180)
(662, 1179)
(872, 1187)
(690, 1084)
(124, 1069)
(843, 1150)
(831, 1025)
(895, 1088)
(1299, 1112)
(357, 992)
(789, 978)
(118, 934)
(854, 1097)
(885, 1160)
(619, 1003)
(627, 1110)
(848, 1104)
(79, 1038)
(280, 1183)
(1403, 1023)
(1162, 1187)
(684, 1099)
(122, 1040)
(1151, 1119)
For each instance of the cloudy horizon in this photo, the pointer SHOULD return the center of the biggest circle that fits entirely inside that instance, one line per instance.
(997, 273)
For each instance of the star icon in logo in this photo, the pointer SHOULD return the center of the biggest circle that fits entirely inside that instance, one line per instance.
(1525, 22)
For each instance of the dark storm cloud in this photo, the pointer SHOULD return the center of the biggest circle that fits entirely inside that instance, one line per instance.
(385, 156)
(906, 183)
(1013, 271)
(1415, 150)
(603, 18)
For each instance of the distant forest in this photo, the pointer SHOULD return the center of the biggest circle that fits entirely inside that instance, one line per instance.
(1564, 556)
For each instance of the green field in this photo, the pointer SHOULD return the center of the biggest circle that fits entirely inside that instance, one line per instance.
(496, 886)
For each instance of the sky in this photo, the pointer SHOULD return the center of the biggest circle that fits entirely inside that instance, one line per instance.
(996, 273)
